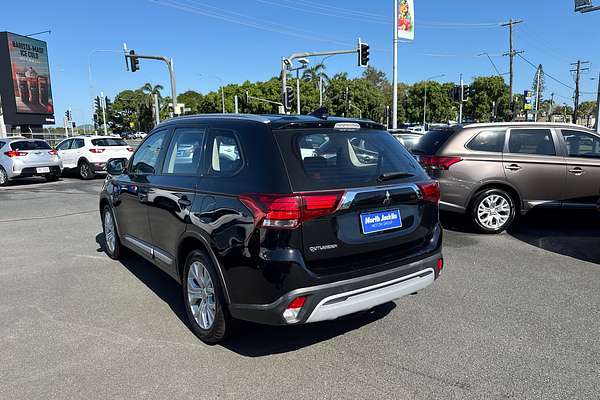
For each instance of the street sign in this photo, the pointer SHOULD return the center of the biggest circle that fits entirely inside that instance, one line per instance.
(528, 95)
(405, 20)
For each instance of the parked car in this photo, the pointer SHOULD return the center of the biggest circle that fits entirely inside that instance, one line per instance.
(89, 154)
(408, 140)
(20, 158)
(278, 219)
(494, 172)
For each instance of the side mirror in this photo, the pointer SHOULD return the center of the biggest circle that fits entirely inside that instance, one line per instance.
(116, 166)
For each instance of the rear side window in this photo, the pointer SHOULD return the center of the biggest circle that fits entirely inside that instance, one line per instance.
(185, 152)
(531, 141)
(492, 141)
(433, 141)
(330, 159)
(30, 145)
(107, 142)
(225, 153)
(581, 144)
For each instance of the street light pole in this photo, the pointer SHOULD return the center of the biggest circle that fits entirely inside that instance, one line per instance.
(598, 107)
(103, 104)
(395, 69)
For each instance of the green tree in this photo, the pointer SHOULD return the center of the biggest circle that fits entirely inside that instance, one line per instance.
(440, 107)
(315, 73)
(586, 110)
(485, 90)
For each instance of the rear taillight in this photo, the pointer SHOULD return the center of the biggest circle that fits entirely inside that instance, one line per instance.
(289, 211)
(97, 151)
(293, 310)
(438, 162)
(15, 153)
(440, 265)
(430, 191)
(130, 149)
(53, 152)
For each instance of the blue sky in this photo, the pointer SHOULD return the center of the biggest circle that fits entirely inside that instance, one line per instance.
(240, 40)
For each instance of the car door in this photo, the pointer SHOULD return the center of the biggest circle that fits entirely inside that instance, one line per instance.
(132, 206)
(582, 157)
(76, 151)
(533, 164)
(171, 192)
(65, 153)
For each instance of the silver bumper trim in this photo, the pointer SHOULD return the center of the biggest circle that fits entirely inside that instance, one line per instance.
(341, 304)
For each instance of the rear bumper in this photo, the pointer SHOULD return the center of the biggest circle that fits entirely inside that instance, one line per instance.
(26, 172)
(334, 300)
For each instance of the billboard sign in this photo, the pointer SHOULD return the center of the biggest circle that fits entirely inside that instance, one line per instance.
(30, 74)
(405, 20)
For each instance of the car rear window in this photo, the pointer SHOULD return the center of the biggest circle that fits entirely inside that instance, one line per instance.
(331, 159)
(107, 142)
(433, 141)
(30, 145)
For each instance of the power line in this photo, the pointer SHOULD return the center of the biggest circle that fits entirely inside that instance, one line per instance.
(545, 73)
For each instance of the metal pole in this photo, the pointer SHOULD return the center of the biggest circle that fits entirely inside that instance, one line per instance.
(156, 110)
(462, 99)
(298, 111)
(598, 107)
(236, 103)
(395, 69)
(425, 107)
(223, 97)
(284, 83)
(320, 91)
(173, 88)
(103, 104)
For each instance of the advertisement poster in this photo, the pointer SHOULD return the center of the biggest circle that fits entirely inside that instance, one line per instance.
(30, 75)
(406, 19)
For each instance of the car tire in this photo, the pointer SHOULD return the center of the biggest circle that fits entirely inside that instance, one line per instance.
(113, 247)
(3, 177)
(204, 299)
(52, 177)
(493, 211)
(85, 170)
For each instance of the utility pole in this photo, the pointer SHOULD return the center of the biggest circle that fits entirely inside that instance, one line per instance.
(347, 102)
(462, 98)
(578, 70)
(511, 54)
(235, 100)
(537, 94)
(598, 107)
(156, 110)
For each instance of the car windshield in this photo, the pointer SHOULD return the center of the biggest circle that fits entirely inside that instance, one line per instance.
(30, 145)
(107, 142)
(332, 159)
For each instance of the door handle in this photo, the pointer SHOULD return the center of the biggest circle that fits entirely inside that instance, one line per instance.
(143, 194)
(513, 167)
(577, 171)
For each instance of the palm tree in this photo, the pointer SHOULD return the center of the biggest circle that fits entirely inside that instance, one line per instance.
(150, 91)
(315, 73)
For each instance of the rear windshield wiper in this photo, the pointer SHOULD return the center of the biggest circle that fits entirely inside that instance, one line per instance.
(387, 176)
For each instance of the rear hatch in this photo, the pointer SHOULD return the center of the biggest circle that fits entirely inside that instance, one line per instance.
(33, 153)
(428, 151)
(366, 200)
(112, 147)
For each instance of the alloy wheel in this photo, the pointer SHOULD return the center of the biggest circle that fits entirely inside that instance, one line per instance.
(84, 170)
(201, 295)
(109, 232)
(3, 176)
(493, 211)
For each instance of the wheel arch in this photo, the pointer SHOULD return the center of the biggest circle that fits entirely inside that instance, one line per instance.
(194, 241)
(507, 187)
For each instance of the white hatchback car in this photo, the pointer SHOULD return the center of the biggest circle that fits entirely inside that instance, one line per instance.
(89, 154)
(20, 158)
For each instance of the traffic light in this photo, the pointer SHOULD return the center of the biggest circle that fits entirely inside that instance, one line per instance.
(467, 92)
(363, 54)
(289, 98)
(135, 62)
(97, 103)
(68, 115)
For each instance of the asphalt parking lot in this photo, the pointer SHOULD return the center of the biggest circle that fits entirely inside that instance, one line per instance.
(515, 316)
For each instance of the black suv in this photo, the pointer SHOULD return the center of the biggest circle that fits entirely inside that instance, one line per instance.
(275, 219)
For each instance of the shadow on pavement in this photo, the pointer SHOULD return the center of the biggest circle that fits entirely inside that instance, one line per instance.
(252, 340)
(570, 233)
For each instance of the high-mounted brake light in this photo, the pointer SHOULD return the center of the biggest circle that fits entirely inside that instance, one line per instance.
(15, 153)
(430, 191)
(130, 149)
(347, 126)
(438, 162)
(97, 151)
(289, 211)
